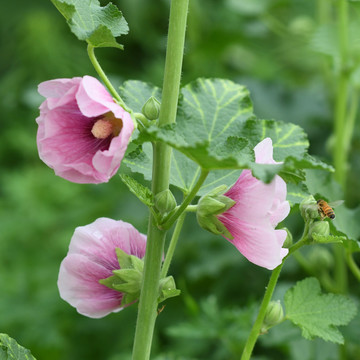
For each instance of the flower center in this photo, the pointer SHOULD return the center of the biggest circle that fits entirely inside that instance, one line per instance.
(106, 126)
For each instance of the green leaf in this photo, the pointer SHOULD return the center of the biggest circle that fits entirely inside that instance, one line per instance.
(98, 25)
(347, 222)
(210, 115)
(11, 350)
(352, 245)
(288, 139)
(135, 94)
(184, 172)
(296, 193)
(318, 314)
(321, 239)
(143, 193)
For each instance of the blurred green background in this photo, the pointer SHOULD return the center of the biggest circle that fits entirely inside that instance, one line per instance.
(279, 49)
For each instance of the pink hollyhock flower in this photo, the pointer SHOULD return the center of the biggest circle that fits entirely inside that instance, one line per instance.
(259, 208)
(92, 257)
(83, 133)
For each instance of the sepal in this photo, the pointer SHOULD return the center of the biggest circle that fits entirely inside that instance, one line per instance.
(212, 204)
(289, 238)
(128, 278)
(167, 289)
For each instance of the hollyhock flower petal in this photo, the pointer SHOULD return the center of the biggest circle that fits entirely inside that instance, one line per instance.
(92, 257)
(258, 209)
(66, 138)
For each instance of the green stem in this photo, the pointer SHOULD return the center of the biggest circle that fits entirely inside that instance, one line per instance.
(161, 174)
(172, 245)
(352, 265)
(169, 221)
(104, 78)
(340, 158)
(191, 208)
(349, 129)
(256, 329)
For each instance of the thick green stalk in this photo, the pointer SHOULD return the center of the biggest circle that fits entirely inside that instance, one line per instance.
(161, 173)
(256, 329)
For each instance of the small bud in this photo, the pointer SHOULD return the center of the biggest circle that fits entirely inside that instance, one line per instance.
(167, 289)
(320, 258)
(320, 228)
(151, 108)
(309, 209)
(289, 238)
(274, 315)
(165, 201)
(210, 205)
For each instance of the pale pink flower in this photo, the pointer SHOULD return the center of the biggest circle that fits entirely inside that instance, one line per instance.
(83, 133)
(92, 257)
(259, 208)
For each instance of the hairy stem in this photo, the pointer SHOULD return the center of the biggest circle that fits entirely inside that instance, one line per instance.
(161, 173)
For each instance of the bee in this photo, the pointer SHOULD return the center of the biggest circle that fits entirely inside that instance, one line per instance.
(326, 210)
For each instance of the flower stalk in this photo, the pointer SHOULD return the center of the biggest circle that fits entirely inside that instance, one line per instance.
(104, 78)
(256, 329)
(161, 172)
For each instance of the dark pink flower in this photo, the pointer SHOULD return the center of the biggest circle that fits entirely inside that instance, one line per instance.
(92, 257)
(83, 133)
(259, 208)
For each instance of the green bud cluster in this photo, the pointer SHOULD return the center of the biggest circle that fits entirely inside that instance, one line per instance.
(309, 209)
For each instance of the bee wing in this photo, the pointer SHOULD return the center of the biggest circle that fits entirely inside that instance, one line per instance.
(311, 206)
(336, 203)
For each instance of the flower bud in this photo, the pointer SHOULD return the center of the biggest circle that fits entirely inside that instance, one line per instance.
(165, 201)
(210, 205)
(151, 108)
(319, 228)
(274, 315)
(289, 238)
(309, 209)
(167, 289)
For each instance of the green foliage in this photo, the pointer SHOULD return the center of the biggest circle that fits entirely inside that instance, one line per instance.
(321, 239)
(253, 43)
(318, 314)
(11, 350)
(98, 25)
(142, 192)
